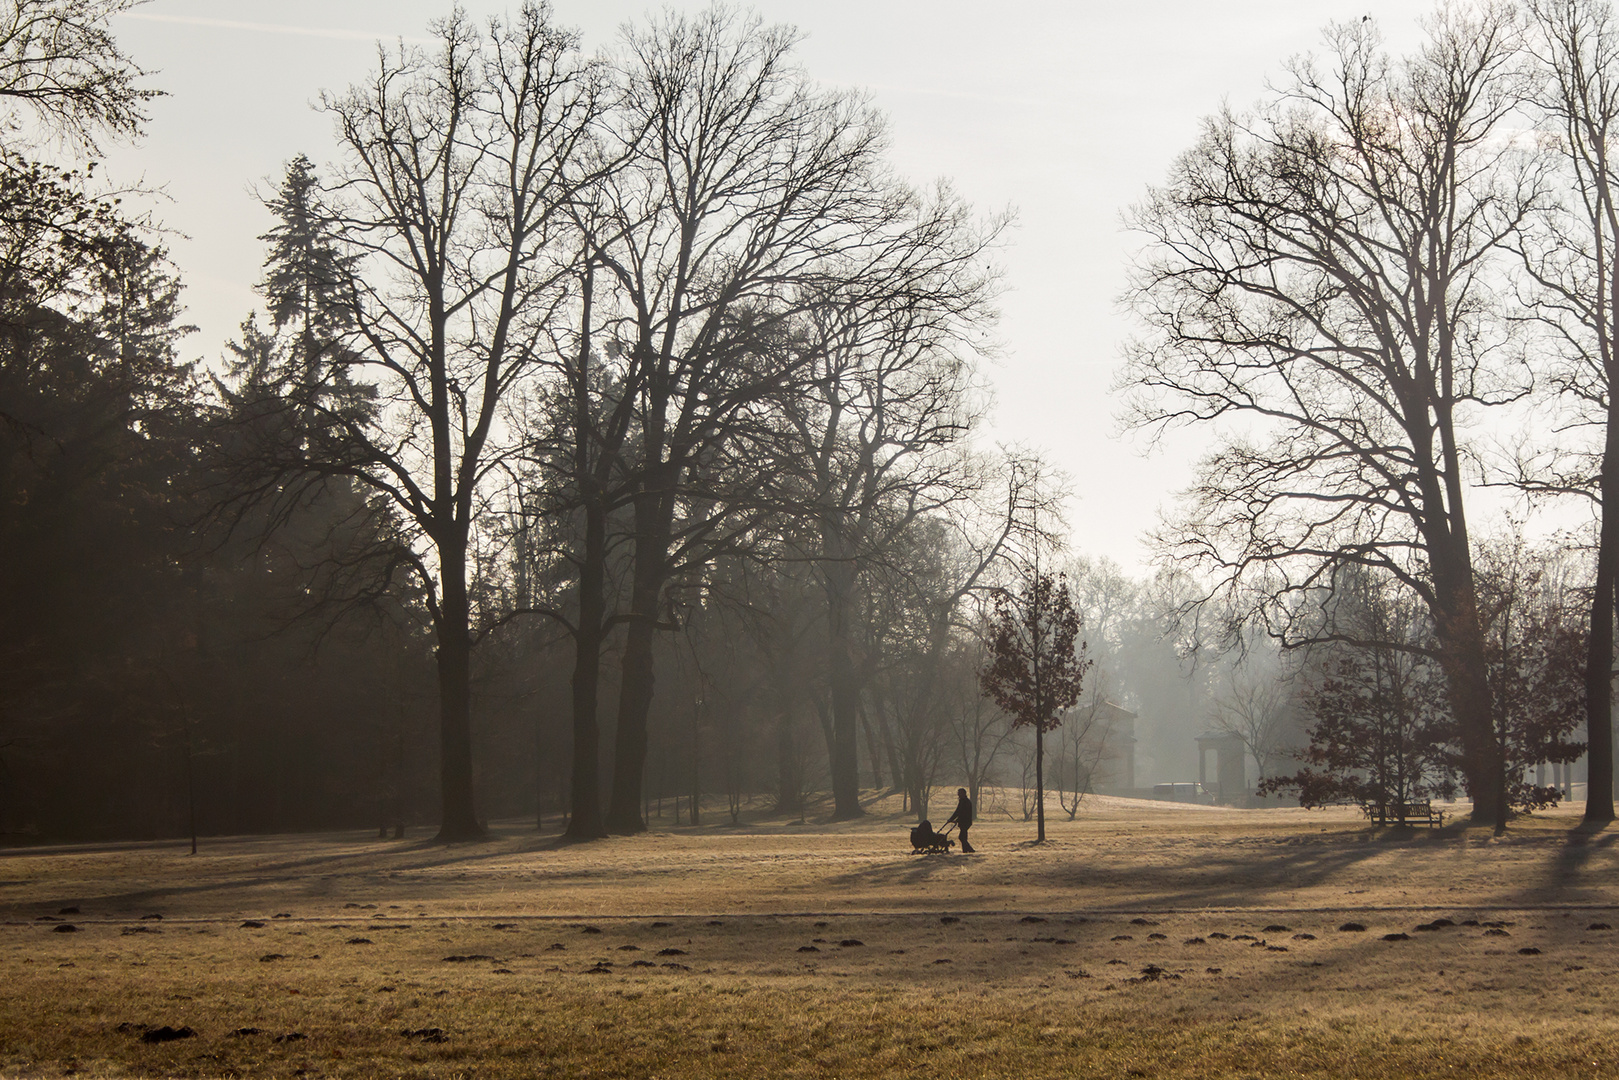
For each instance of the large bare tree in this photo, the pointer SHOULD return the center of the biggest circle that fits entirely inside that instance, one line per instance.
(460, 160)
(747, 194)
(1574, 261)
(581, 484)
(874, 440)
(1318, 283)
(920, 596)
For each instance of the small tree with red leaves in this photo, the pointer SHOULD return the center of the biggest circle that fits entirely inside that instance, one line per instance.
(1036, 664)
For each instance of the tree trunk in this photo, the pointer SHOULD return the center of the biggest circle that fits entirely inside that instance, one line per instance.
(890, 749)
(539, 776)
(845, 748)
(630, 744)
(1040, 783)
(399, 763)
(585, 805)
(696, 765)
(845, 689)
(1599, 642)
(191, 778)
(459, 820)
(871, 752)
(652, 510)
(787, 779)
(733, 765)
(1461, 641)
(585, 815)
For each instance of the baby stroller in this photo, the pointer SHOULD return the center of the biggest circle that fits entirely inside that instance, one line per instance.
(924, 841)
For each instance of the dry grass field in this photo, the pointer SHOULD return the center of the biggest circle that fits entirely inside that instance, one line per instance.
(1144, 940)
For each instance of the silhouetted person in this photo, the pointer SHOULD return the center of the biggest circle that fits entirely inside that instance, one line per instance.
(963, 818)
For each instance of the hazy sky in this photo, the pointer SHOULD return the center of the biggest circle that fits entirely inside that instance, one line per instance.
(1063, 112)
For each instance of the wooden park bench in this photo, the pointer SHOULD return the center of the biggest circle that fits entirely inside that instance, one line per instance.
(1411, 813)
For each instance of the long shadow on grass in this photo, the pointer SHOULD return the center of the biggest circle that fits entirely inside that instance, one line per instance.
(1247, 874)
(1233, 874)
(905, 870)
(242, 865)
(1582, 844)
(1242, 874)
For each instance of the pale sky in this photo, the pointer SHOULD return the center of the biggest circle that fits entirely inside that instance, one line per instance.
(1063, 112)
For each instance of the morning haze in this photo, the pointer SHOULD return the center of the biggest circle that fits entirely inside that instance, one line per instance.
(533, 534)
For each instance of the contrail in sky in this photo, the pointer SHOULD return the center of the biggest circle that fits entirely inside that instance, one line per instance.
(268, 28)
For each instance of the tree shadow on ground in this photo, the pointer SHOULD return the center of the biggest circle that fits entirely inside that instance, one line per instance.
(903, 870)
(322, 866)
(1583, 842)
(1207, 874)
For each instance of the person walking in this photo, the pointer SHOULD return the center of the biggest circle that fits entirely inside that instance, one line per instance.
(963, 818)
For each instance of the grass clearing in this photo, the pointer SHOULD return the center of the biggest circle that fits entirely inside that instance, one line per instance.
(1142, 941)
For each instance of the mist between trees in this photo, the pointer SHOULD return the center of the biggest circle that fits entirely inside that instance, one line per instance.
(605, 449)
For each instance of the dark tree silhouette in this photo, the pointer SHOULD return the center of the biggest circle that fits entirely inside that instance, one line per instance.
(94, 401)
(447, 211)
(1381, 731)
(917, 602)
(747, 197)
(1035, 668)
(295, 379)
(873, 439)
(306, 276)
(60, 63)
(747, 182)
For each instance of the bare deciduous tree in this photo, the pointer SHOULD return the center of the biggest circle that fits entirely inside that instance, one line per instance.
(1255, 706)
(1536, 651)
(447, 208)
(1320, 274)
(749, 198)
(60, 63)
(1087, 741)
(1574, 260)
(748, 182)
(874, 445)
(933, 572)
(1379, 725)
(981, 733)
